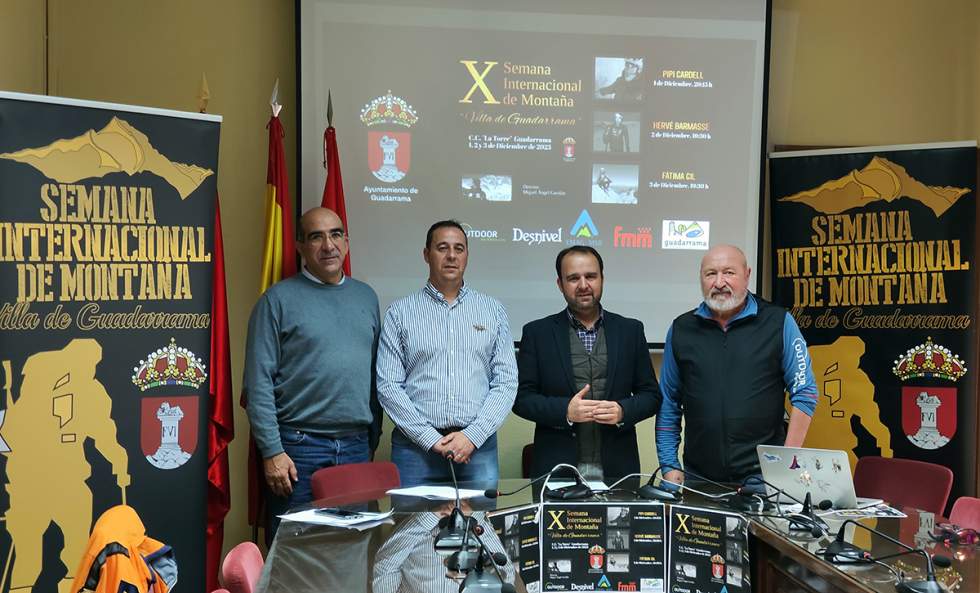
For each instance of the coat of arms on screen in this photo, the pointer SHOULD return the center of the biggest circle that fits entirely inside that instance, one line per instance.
(929, 410)
(390, 145)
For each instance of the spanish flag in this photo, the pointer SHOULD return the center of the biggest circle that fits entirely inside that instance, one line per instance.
(279, 255)
(278, 262)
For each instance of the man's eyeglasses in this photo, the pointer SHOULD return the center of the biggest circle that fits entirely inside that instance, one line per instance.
(335, 236)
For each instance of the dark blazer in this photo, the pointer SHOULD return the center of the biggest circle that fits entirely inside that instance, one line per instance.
(546, 384)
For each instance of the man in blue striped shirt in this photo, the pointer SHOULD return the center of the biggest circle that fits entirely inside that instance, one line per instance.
(447, 375)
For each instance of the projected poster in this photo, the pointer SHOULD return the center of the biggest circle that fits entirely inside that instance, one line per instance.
(636, 136)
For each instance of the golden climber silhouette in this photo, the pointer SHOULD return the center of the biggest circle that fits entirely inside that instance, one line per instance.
(845, 391)
(61, 404)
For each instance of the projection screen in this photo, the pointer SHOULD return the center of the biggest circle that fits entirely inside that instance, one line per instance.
(633, 127)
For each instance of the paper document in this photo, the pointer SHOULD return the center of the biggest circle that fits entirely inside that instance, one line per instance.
(350, 520)
(593, 484)
(436, 492)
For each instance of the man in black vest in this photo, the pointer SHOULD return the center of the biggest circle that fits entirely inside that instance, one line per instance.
(726, 367)
(585, 377)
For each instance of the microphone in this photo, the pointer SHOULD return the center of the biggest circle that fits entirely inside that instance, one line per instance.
(579, 490)
(477, 579)
(823, 505)
(455, 528)
(839, 548)
(806, 520)
(490, 493)
(660, 493)
(651, 491)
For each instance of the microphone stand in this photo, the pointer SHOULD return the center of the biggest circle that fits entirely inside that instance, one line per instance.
(929, 585)
(449, 539)
(476, 578)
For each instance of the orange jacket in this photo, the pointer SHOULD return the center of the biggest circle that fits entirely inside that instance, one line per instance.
(120, 558)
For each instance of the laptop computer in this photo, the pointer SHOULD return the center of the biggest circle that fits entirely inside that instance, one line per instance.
(824, 473)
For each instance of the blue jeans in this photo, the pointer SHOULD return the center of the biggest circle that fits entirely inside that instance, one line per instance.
(309, 453)
(417, 467)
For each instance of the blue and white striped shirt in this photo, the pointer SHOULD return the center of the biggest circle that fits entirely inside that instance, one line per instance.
(443, 365)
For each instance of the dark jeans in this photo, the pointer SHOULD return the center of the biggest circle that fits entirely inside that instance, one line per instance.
(309, 453)
(417, 467)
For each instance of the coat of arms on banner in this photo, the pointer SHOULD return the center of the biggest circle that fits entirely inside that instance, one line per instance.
(165, 443)
(168, 430)
(596, 557)
(389, 152)
(929, 412)
(929, 415)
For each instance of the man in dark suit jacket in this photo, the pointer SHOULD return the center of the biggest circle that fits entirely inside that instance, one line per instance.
(585, 377)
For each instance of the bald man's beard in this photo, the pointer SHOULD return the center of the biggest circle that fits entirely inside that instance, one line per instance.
(724, 301)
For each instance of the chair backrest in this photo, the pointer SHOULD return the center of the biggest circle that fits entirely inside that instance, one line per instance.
(527, 458)
(966, 512)
(353, 478)
(242, 568)
(904, 482)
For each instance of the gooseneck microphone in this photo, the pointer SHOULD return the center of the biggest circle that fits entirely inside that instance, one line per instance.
(841, 552)
(490, 493)
(577, 491)
(653, 492)
(454, 528)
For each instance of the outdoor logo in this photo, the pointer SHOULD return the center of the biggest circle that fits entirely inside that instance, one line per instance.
(480, 234)
(584, 228)
(164, 444)
(389, 151)
(685, 234)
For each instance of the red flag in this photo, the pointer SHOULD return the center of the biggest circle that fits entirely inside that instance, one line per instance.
(278, 262)
(221, 419)
(333, 190)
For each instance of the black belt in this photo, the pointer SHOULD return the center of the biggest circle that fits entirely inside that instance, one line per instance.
(446, 431)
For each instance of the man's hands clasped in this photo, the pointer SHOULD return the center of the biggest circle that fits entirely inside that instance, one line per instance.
(582, 410)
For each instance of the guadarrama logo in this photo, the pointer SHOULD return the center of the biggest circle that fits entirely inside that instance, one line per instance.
(584, 228)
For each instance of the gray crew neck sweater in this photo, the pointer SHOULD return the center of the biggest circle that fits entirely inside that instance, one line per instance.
(309, 360)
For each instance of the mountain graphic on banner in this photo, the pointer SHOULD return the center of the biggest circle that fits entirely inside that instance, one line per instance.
(879, 180)
(116, 148)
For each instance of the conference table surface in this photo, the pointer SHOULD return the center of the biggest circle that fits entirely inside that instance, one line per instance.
(399, 555)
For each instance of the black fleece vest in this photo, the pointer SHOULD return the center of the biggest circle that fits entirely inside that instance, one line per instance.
(732, 390)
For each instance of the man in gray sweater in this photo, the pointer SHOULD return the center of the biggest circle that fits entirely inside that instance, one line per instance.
(309, 368)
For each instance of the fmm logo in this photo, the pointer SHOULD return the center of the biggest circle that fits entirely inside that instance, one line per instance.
(479, 81)
(641, 239)
(630, 586)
